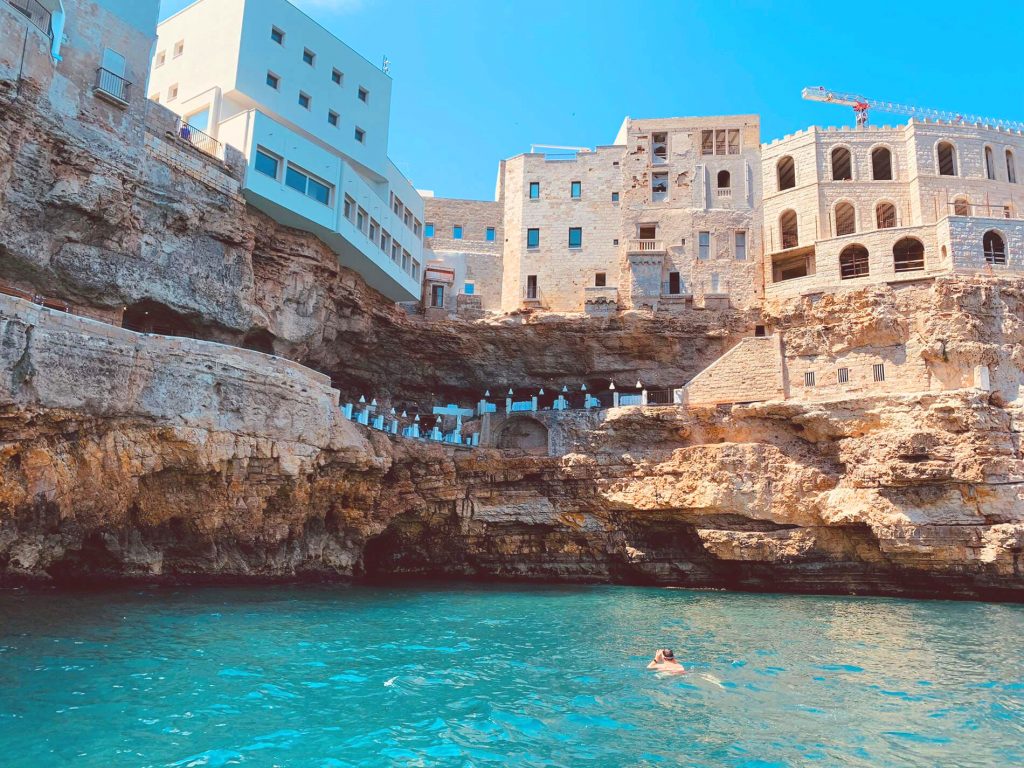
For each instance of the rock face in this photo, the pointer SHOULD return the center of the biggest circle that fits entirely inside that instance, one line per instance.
(134, 456)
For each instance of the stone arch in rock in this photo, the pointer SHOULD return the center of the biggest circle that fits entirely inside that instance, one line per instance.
(523, 433)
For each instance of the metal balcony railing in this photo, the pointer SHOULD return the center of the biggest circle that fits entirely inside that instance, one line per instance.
(198, 139)
(113, 85)
(646, 246)
(34, 11)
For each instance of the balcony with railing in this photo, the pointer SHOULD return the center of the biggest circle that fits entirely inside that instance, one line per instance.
(112, 87)
(645, 246)
(38, 15)
(197, 138)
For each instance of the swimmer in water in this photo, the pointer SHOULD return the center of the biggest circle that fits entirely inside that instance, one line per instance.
(665, 661)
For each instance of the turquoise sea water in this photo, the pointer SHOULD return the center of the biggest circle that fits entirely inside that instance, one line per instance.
(517, 676)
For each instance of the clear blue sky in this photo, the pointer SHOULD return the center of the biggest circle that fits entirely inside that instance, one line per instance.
(477, 81)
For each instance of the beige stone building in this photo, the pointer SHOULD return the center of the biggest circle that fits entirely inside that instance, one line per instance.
(849, 207)
(463, 242)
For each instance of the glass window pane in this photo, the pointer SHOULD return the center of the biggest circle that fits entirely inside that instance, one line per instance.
(266, 164)
(319, 192)
(295, 179)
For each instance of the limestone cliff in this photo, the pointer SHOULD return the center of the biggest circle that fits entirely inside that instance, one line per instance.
(126, 455)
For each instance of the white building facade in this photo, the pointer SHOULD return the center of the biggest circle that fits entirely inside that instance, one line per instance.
(311, 116)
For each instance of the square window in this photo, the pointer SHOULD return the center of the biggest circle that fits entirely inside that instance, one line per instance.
(172, 93)
(457, 232)
(615, 241)
(615, 197)
(469, 289)
(179, 48)
(304, 100)
(332, 118)
(266, 163)
(575, 237)
(364, 94)
(277, 35)
(809, 378)
(308, 57)
(273, 80)
(575, 190)
(600, 280)
(533, 238)
(360, 135)
(430, 230)
(534, 190)
(490, 234)
(336, 77)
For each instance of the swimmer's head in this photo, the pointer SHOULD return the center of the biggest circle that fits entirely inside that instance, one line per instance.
(667, 653)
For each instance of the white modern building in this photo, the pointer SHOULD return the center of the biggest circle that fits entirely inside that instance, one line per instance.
(311, 116)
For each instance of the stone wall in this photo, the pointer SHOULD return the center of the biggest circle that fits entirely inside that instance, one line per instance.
(749, 372)
(473, 258)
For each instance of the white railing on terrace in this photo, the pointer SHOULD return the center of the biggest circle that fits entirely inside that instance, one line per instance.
(724, 193)
(646, 246)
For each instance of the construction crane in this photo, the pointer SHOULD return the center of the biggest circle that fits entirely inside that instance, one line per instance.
(861, 106)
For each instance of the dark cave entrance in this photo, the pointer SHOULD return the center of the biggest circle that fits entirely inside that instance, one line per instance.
(148, 316)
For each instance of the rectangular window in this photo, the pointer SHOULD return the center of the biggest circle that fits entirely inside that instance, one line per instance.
(531, 286)
(416, 227)
(659, 148)
(277, 35)
(172, 92)
(615, 197)
(360, 135)
(533, 238)
(704, 245)
(350, 208)
(430, 230)
(600, 280)
(714, 282)
(308, 57)
(332, 118)
(843, 375)
(469, 289)
(266, 163)
(719, 142)
(396, 252)
(179, 48)
(707, 142)
(490, 234)
(385, 241)
(273, 80)
(575, 237)
(457, 232)
(878, 371)
(374, 230)
(336, 76)
(674, 288)
(534, 190)
(734, 141)
(809, 379)
(408, 219)
(361, 219)
(415, 270)
(304, 100)
(302, 182)
(437, 296)
(575, 190)
(741, 246)
(161, 58)
(406, 260)
(659, 187)
(364, 94)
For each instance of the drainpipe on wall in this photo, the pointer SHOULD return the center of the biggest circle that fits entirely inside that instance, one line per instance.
(57, 29)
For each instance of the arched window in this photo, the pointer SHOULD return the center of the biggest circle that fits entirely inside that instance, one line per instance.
(881, 164)
(947, 159)
(724, 180)
(842, 165)
(961, 207)
(1011, 167)
(846, 219)
(885, 216)
(908, 255)
(787, 173)
(853, 262)
(990, 163)
(995, 247)
(788, 230)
